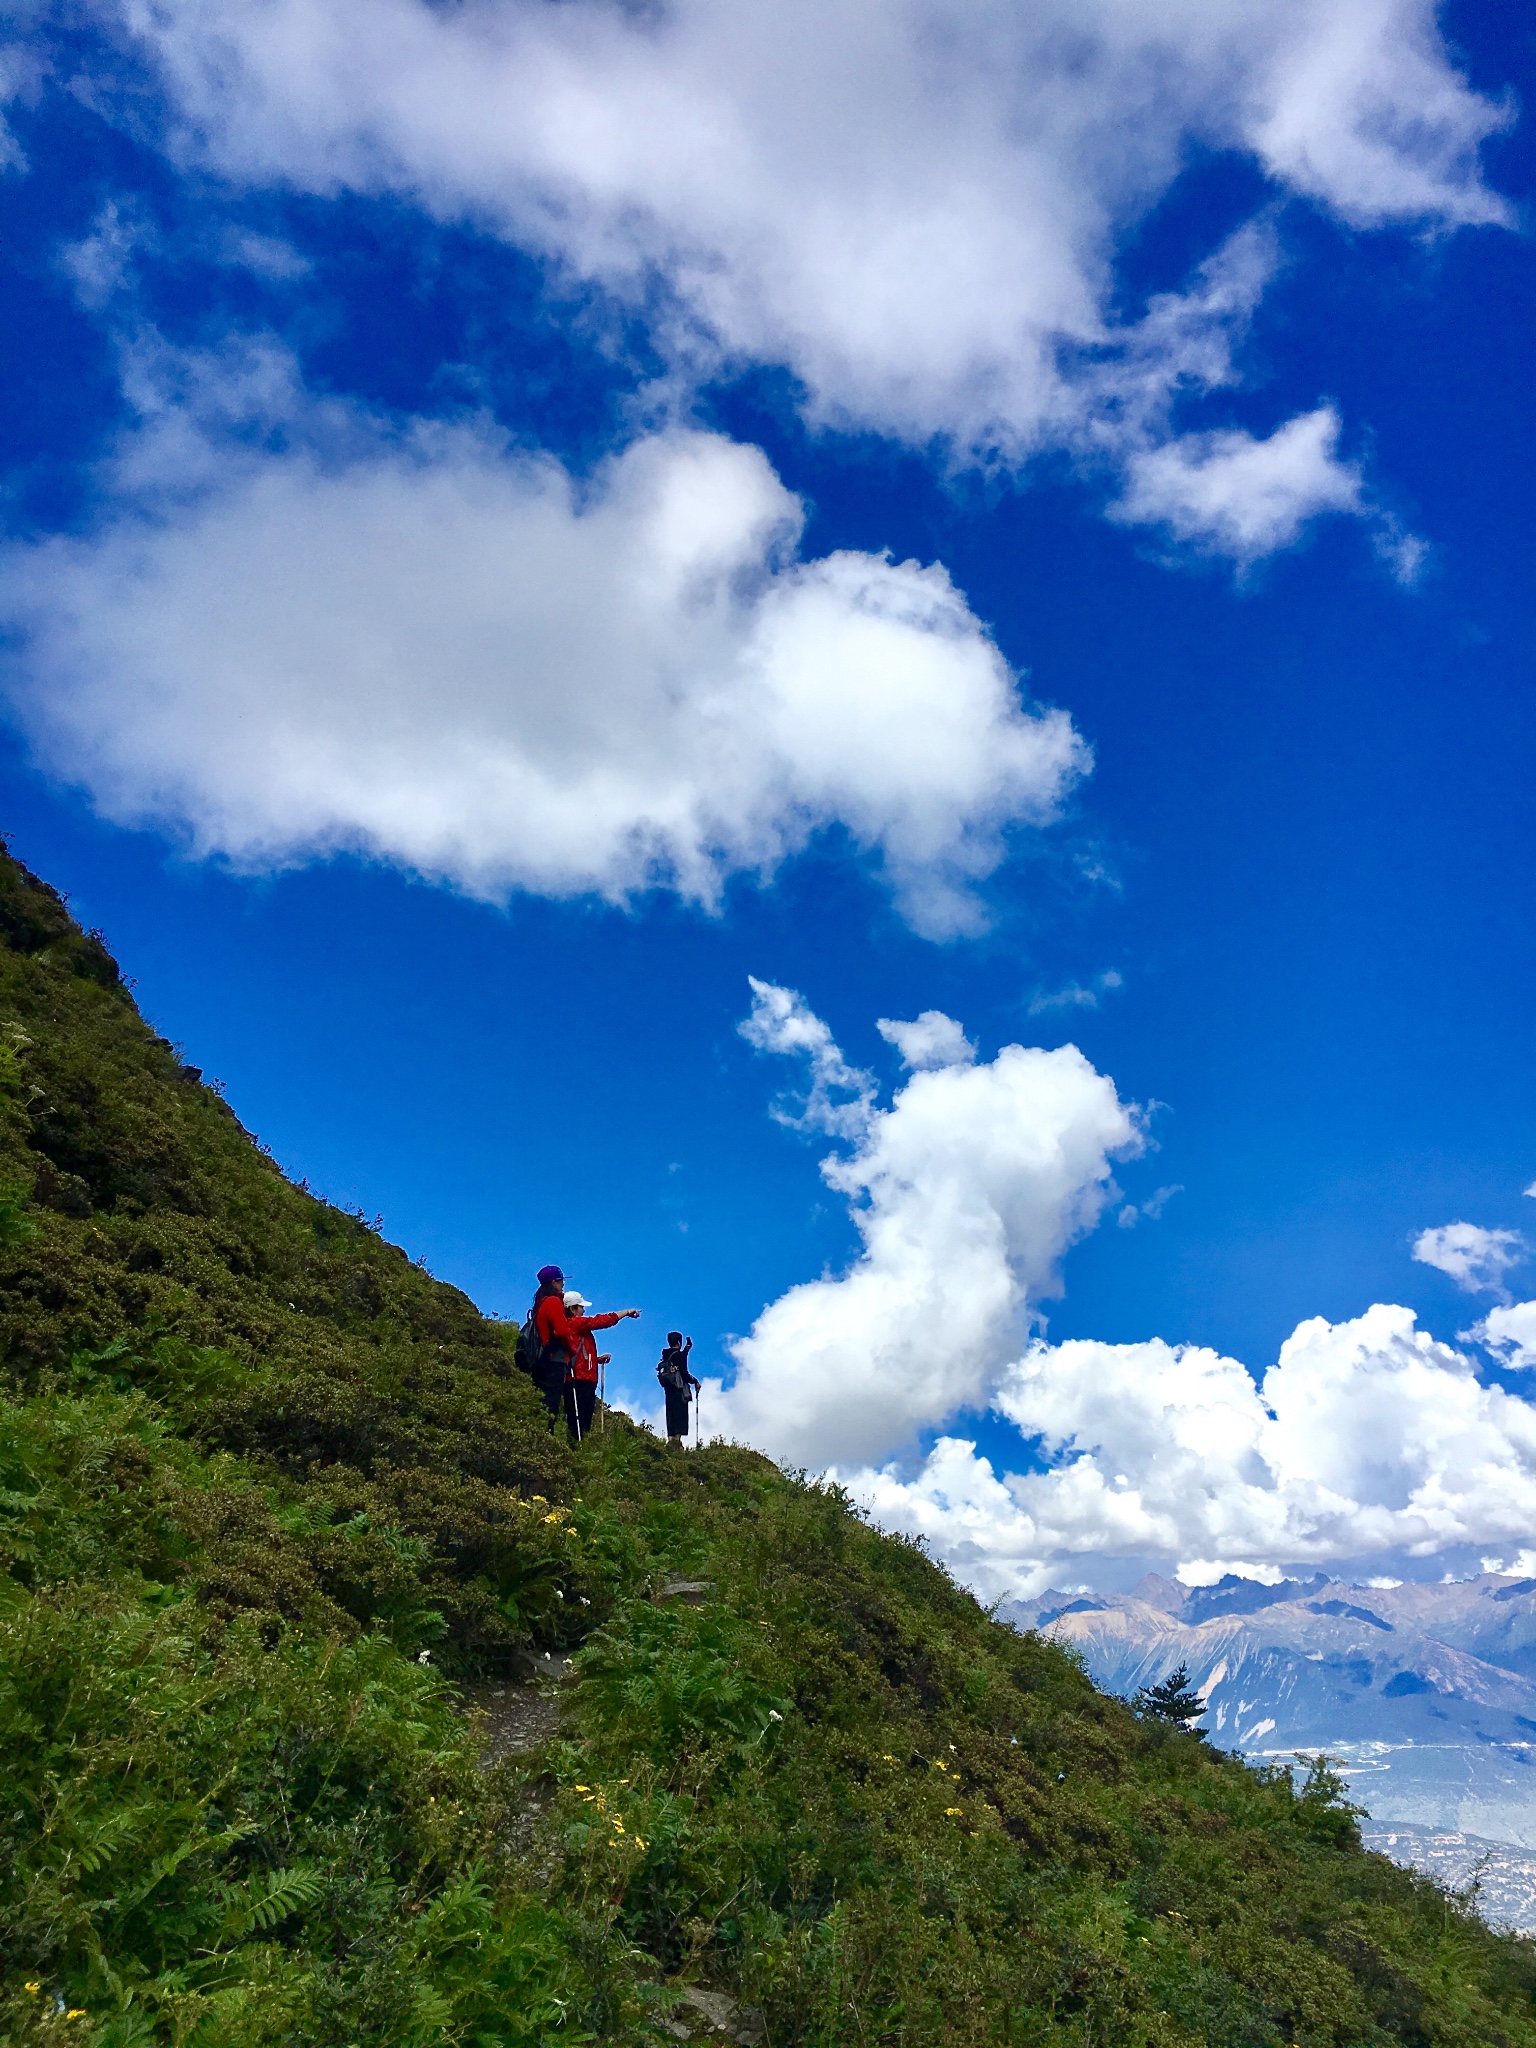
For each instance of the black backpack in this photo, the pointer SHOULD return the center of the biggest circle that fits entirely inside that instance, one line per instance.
(531, 1355)
(542, 1362)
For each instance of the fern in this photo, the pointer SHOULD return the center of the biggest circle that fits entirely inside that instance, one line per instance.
(268, 1897)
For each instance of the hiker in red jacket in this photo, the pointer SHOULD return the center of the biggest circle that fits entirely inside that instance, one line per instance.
(560, 1334)
(554, 1341)
(581, 1373)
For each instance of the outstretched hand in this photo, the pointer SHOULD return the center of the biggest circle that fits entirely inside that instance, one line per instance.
(623, 1312)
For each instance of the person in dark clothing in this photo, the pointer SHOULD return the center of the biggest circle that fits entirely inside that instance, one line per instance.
(679, 1384)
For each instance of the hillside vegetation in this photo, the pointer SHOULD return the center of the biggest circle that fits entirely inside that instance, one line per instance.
(272, 1500)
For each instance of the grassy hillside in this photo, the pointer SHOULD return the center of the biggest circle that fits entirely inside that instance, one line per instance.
(271, 1499)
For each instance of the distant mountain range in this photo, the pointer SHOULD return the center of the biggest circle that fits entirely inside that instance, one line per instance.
(1425, 1693)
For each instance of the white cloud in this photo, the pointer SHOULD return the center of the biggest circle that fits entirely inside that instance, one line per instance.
(1510, 1333)
(1365, 114)
(1239, 495)
(1366, 1438)
(100, 263)
(299, 629)
(966, 1192)
(781, 1021)
(1367, 1443)
(915, 207)
(1476, 1259)
(21, 76)
(1152, 1208)
(929, 1041)
(1074, 996)
(264, 255)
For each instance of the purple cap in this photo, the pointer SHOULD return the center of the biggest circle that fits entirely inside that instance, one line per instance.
(548, 1273)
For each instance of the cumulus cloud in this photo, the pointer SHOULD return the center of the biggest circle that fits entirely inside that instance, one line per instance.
(1476, 1259)
(1366, 1438)
(913, 207)
(1239, 495)
(965, 1192)
(931, 1040)
(1368, 1443)
(297, 629)
(1509, 1333)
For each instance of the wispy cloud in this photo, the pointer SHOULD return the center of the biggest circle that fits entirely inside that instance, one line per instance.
(1075, 995)
(1149, 1209)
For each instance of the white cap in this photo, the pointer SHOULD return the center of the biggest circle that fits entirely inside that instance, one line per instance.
(575, 1300)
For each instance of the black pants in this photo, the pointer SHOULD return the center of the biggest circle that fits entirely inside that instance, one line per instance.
(580, 1399)
(677, 1411)
(552, 1391)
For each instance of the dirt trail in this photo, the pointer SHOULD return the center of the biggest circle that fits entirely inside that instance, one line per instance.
(519, 1715)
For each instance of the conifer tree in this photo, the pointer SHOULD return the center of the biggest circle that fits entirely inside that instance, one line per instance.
(1173, 1699)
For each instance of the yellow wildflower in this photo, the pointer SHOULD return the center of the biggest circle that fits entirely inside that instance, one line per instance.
(32, 1985)
(583, 1788)
(954, 1812)
(637, 1841)
(76, 2012)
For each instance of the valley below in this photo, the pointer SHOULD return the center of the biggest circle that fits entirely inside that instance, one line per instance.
(1424, 1697)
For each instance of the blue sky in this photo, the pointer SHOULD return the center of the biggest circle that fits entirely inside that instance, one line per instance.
(352, 400)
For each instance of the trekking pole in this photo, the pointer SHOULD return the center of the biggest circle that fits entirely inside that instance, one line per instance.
(602, 1400)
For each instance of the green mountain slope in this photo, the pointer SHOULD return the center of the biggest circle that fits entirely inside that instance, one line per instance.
(273, 1501)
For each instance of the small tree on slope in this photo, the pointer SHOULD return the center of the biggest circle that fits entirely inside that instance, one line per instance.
(1173, 1699)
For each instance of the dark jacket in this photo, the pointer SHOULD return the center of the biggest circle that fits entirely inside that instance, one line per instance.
(673, 1371)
